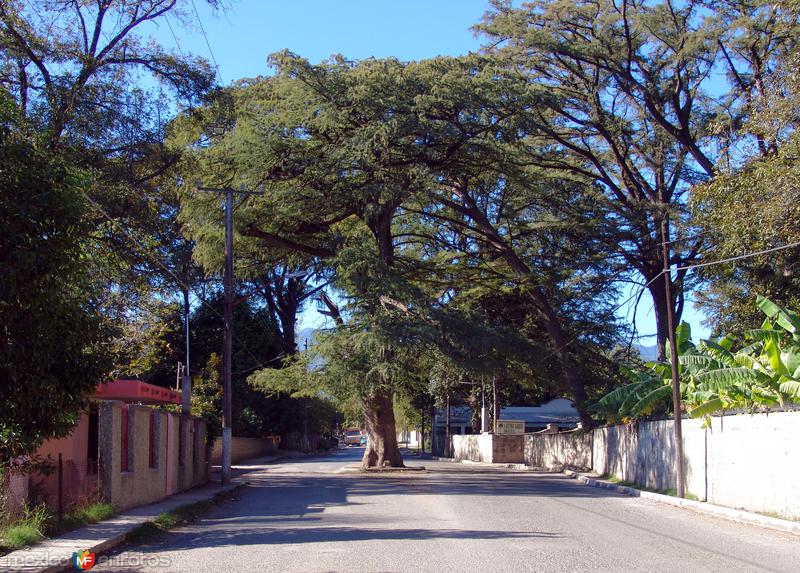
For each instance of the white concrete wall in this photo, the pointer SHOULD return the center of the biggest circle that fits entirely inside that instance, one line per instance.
(754, 462)
(644, 453)
(492, 448)
(473, 447)
(743, 461)
(559, 451)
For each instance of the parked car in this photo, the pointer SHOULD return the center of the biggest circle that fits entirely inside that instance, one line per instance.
(352, 436)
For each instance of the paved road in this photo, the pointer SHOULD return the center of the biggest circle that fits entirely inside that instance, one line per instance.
(304, 516)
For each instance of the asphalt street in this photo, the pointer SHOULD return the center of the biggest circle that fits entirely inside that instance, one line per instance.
(303, 515)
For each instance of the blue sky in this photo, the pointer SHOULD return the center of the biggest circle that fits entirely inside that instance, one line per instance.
(243, 36)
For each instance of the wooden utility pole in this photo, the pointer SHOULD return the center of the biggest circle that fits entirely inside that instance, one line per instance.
(227, 348)
(305, 408)
(673, 358)
(447, 423)
(186, 380)
(495, 405)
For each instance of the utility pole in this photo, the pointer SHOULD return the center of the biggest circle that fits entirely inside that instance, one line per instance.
(495, 406)
(484, 409)
(186, 380)
(305, 407)
(227, 348)
(673, 358)
(447, 423)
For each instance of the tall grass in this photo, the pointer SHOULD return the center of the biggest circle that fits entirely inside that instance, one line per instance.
(39, 522)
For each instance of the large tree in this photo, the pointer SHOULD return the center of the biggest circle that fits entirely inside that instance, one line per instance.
(89, 79)
(53, 342)
(361, 165)
(753, 205)
(629, 101)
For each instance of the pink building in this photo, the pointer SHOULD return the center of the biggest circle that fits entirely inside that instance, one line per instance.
(123, 451)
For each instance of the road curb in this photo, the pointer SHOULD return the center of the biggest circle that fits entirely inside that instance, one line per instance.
(106, 545)
(737, 515)
(55, 555)
(521, 467)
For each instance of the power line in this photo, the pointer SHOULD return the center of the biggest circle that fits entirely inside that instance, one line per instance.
(210, 51)
(738, 257)
(615, 309)
(174, 37)
(169, 271)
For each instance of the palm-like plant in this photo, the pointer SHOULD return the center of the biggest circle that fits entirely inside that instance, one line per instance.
(714, 377)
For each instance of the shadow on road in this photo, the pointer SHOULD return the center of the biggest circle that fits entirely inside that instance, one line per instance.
(216, 537)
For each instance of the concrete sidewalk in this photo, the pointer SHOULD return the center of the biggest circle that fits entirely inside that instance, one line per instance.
(55, 555)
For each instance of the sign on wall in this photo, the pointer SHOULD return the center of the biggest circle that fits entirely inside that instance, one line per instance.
(510, 426)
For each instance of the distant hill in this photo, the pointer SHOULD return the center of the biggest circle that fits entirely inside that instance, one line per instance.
(305, 336)
(648, 353)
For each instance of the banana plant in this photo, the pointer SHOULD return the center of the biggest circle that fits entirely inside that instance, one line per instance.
(715, 377)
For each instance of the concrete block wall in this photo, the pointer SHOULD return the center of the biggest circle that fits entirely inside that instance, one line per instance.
(491, 448)
(245, 448)
(473, 447)
(753, 462)
(644, 453)
(508, 448)
(174, 468)
(193, 460)
(559, 451)
(743, 461)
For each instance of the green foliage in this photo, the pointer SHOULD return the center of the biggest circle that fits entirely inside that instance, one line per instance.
(752, 204)
(714, 376)
(359, 161)
(207, 396)
(54, 343)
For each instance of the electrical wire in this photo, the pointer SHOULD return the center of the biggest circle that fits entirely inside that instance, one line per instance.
(682, 268)
(738, 257)
(164, 267)
(174, 37)
(210, 51)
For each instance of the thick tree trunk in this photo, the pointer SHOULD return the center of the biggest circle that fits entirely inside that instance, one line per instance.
(659, 297)
(422, 430)
(288, 328)
(559, 339)
(382, 449)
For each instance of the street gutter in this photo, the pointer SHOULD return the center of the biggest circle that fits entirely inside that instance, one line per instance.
(729, 513)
